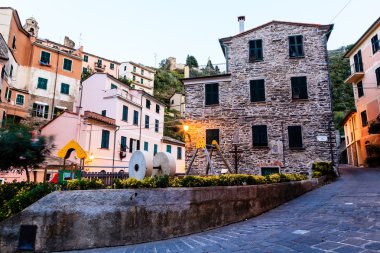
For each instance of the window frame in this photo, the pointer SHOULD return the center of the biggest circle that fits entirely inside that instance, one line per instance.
(208, 92)
(146, 146)
(303, 91)
(43, 87)
(179, 153)
(23, 99)
(296, 46)
(147, 119)
(64, 64)
(123, 143)
(255, 53)
(158, 108)
(39, 109)
(360, 89)
(112, 66)
(41, 57)
(105, 141)
(169, 148)
(135, 118)
(63, 88)
(156, 125)
(292, 142)
(85, 58)
(104, 113)
(260, 91)
(364, 118)
(147, 103)
(155, 149)
(124, 115)
(259, 136)
(375, 44)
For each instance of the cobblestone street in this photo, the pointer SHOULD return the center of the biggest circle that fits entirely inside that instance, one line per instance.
(340, 217)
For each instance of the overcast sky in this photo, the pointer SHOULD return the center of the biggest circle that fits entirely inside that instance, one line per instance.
(138, 30)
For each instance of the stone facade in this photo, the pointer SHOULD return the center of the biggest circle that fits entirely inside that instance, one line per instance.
(235, 112)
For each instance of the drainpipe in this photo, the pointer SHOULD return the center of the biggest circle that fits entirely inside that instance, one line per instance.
(142, 95)
(114, 148)
(55, 86)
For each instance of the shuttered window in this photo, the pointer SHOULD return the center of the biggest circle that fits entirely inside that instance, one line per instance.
(157, 109)
(212, 94)
(147, 103)
(168, 148)
(104, 113)
(20, 99)
(45, 58)
(255, 50)
(299, 87)
(296, 46)
(146, 146)
(179, 153)
(123, 143)
(295, 136)
(257, 89)
(65, 88)
(375, 44)
(135, 118)
(212, 134)
(42, 83)
(377, 72)
(112, 66)
(259, 136)
(155, 147)
(360, 89)
(67, 64)
(113, 86)
(146, 121)
(156, 125)
(266, 171)
(105, 139)
(363, 115)
(85, 58)
(125, 113)
(358, 61)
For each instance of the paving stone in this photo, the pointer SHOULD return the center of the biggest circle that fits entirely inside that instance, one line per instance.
(328, 245)
(355, 241)
(348, 249)
(373, 246)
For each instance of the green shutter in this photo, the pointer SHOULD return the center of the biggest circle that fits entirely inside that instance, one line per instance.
(146, 145)
(123, 143)
(155, 149)
(179, 153)
(146, 121)
(295, 136)
(125, 113)
(105, 139)
(135, 118)
(257, 90)
(168, 148)
(259, 135)
(156, 125)
(211, 93)
(46, 113)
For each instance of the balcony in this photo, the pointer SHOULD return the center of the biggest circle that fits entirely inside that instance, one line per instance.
(123, 94)
(99, 67)
(355, 74)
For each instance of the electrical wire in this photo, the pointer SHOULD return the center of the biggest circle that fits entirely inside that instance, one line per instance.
(349, 1)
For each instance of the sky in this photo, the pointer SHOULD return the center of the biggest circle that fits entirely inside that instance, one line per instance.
(147, 31)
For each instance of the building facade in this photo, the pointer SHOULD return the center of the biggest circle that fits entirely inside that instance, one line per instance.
(99, 64)
(365, 80)
(177, 102)
(274, 101)
(142, 77)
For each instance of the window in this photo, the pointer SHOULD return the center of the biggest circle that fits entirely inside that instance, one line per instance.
(104, 112)
(20, 99)
(125, 113)
(40, 111)
(3, 72)
(123, 143)
(67, 63)
(84, 70)
(299, 87)
(377, 72)
(212, 134)
(113, 86)
(168, 148)
(146, 145)
(257, 89)
(112, 66)
(134, 78)
(155, 147)
(105, 139)
(296, 46)
(363, 114)
(11, 71)
(375, 44)
(179, 153)
(14, 42)
(255, 50)
(360, 89)
(156, 125)
(125, 68)
(212, 94)
(134, 68)
(147, 103)
(133, 145)
(142, 81)
(157, 109)
(8, 94)
(85, 58)
(142, 72)
(266, 171)
(295, 136)
(42, 83)
(259, 136)
(358, 62)
(135, 118)
(146, 121)
(99, 63)
(45, 58)
(65, 88)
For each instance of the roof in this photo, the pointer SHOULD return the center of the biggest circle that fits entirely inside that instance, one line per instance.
(327, 28)
(141, 66)
(73, 113)
(99, 117)
(102, 58)
(363, 37)
(167, 139)
(348, 115)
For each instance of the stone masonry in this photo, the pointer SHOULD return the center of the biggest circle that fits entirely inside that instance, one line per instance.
(236, 113)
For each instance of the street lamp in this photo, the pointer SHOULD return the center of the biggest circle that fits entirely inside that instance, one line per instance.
(185, 128)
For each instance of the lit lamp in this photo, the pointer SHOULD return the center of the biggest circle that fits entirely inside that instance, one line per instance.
(185, 128)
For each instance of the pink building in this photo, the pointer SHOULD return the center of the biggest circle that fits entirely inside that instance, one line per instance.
(365, 79)
(99, 64)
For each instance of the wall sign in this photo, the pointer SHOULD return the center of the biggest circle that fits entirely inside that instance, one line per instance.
(321, 138)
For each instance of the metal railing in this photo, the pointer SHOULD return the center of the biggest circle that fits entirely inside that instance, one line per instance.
(354, 68)
(208, 70)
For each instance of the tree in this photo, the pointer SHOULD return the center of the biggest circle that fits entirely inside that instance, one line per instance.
(87, 73)
(20, 150)
(191, 61)
(209, 65)
(125, 80)
(165, 64)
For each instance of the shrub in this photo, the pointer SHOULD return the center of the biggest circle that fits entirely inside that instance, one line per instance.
(316, 174)
(325, 168)
(84, 184)
(274, 178)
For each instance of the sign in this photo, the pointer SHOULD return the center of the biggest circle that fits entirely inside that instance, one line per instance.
(321, 138)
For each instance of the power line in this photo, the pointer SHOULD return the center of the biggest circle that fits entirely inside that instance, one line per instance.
(349, 1)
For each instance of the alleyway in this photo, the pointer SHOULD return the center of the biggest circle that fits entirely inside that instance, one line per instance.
(340, 217)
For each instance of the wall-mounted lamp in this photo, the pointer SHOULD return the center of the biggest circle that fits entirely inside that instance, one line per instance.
(185, 128)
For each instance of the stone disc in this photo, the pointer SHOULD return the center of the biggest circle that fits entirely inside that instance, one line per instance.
(140, 165)
(167, 163)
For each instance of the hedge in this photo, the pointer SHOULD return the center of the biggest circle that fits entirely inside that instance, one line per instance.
(323, 169)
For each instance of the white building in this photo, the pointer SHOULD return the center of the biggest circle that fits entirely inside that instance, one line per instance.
(177, 102)
(142, 77)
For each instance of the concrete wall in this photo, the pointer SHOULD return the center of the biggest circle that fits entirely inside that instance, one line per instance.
(100, 218)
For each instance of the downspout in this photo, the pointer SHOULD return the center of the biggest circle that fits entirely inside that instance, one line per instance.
(55, 86)
(142, 95)
(114, 148)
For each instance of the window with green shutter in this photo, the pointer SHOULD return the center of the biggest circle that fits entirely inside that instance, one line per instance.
(295, 136)
(360, 89)
(65, 88)
(42, 83)
(84, 70)
(113, 86)
(135, 118)
(45, 58)
(142, 72)
(146, 146)
(112, 66)
(104, 112)
(212, 134)
(125, 113)
(212, 94)
(168, 148)
(157, 109)
(255, 50)
(123, 143)
(147, 103)
(67, 64)
(179, 153)
(134, 68)
(156, 125)
(146, 121)
(363, 115)
(155, 147)
(375, 44)
(142, 81)
(85, 58)
(134, 78)
(358, 62)
(296, 46)
(299, 87)
(105, 139)
(99, 63)
(259, 136)
(20, 99)
(257, 89)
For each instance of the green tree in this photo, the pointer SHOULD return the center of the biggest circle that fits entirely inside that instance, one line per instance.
(125, 80)
(87, 73)
(191, 61)
(20, 151)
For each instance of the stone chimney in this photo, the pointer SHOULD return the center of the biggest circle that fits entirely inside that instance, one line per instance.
(68, 42)
(241, 20)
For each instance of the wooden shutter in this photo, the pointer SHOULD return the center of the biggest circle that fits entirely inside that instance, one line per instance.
(299, 87)
(257, 90)
(259, 135)
(212, 94)
(377, 71)
(146, 121)
(131, 145)
(125, 113)
(295, 136)
(360, 89)
(105, 138)
(46, 112)
(138, 145)
(179, 153)
(123, 143)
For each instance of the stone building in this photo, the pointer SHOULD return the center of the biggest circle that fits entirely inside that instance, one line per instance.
(274, 100)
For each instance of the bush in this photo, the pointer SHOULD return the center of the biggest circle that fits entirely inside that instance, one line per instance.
(325, 168)
(316, 174)
(85, 184)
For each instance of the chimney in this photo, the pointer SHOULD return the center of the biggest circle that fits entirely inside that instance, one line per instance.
(241, 20)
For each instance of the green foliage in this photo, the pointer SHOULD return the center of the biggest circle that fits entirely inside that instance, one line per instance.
(324, 168)
(374, 126)
(21, 196)
(171, 124)
(316, 174)
(373, 158)
(166, 83)
(191, 61)
(84, 184)
(148, 182)
(87, 74)
(125, 80)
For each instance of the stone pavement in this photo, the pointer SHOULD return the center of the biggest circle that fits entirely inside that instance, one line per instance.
(340, 217)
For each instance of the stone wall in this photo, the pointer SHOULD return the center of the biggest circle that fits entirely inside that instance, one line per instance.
(100, 218)
(235, 112)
